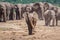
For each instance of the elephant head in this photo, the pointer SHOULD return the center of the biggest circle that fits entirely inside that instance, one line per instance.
(37, 8)
(2, 12)
(46, 6)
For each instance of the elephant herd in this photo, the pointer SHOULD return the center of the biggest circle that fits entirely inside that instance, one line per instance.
(45, 11)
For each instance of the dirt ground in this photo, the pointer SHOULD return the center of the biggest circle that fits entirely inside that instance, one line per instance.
(17, 30)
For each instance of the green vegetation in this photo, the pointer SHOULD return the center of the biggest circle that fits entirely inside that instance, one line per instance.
(31, 1)
(56, 2)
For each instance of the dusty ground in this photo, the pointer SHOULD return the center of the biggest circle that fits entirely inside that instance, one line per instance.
(17, 30)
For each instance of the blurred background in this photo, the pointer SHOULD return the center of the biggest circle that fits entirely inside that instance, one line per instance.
(55, 2)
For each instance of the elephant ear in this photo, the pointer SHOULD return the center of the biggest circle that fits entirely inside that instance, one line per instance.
(24, 15)
(35, 15)
(46, 6)
(15, 6)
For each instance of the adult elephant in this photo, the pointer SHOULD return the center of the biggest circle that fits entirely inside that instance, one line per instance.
(2, 12)
(42, 8)
(9, 10)
(12, 14)
(18, 11)
(37, 8)
(23, 9)
(52, 14)
(48, 16)
(47, 6)
(57, 11)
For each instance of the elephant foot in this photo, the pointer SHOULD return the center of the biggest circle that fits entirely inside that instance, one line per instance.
(17, 19)
(56, 25)
(52, 25)
(32, 34)
(11, 19)
(46, 25)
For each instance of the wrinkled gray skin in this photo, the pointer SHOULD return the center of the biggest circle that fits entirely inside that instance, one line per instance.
(9, 10)
(48, 16)
(11, 17)
(2, 12)
(57, 11)
(47, 6)
(37, 8)
(18, 11)
(55, 16)
(42, 8)
(23, 9)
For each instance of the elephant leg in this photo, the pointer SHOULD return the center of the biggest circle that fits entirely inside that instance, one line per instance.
(21, 15)
(46, 22)
(4, 17)
(49, 20)
(22, 12)
(30, 30)
(7, 16)
(56, 21)
(14, 15)
(8, 13)
(41, 16)
(0, 18)
(17, 16)
(53, 21)
(11, 16)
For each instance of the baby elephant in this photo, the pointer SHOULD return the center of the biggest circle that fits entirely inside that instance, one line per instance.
(31, 22)
(49, 15)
